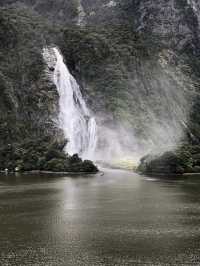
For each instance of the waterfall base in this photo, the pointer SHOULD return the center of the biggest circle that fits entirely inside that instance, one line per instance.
(75, 119)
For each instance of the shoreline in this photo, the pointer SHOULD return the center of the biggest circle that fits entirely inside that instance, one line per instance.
(168, 174)
(49, 172)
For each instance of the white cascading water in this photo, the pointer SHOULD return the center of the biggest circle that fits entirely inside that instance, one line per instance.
(75, 119)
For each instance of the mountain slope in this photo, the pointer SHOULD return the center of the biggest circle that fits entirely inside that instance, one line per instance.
(29, 136)
(137, 63)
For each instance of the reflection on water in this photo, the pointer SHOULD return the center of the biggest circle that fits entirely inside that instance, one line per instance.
(119, 218)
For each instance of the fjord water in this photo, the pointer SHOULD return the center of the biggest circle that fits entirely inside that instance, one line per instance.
(118, 218)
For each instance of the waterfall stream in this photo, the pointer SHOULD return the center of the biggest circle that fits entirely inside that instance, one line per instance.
(75, 118)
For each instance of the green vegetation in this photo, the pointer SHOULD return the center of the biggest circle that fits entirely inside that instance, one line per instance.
(186, 159)
(44, 154)
(104, 62)
(118, 68)
(26, 96)
(28, 101)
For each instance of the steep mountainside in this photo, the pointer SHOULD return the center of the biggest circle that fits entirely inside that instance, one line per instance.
(25, 105)
(143, 71)
(137, 63)
(75, 11)
(174, 23)
(29, 136)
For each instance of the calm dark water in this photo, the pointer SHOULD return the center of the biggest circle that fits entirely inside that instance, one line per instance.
(116, 219)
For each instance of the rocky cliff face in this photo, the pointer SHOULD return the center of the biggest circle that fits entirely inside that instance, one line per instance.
(137, 63)
(175, 23)
(174, 26)
(28, 100)
(140, 73)
(62, 11)
(80, 12)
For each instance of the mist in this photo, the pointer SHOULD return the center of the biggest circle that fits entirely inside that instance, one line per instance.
(162, 98)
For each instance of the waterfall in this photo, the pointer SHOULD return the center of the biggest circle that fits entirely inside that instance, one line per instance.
(75, 119)
(81, 14)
